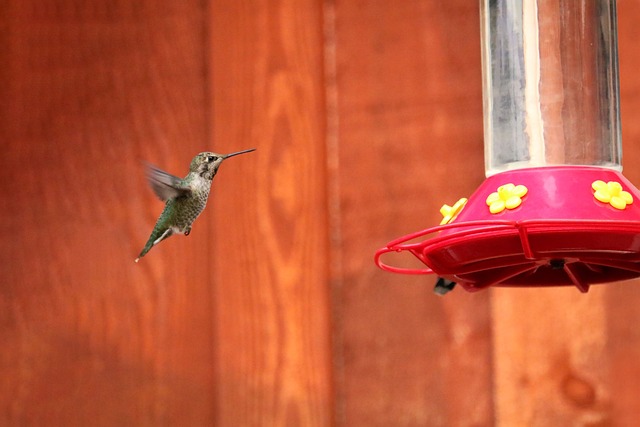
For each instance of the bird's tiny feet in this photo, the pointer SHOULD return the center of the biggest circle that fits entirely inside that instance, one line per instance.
(443, 286)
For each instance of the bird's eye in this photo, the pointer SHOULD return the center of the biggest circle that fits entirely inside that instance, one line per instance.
(212, 158)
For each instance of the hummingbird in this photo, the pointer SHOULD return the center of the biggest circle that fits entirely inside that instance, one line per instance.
(185, 197)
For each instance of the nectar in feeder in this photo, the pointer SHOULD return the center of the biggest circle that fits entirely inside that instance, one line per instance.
(550, 84)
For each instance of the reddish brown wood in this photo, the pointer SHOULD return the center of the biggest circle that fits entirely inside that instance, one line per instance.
(551, 356)
(90, 338)
(271, 265)
(409, 138)
(623, 300)
(367, 118)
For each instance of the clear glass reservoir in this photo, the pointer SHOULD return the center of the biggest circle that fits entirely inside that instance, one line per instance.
(550, 84)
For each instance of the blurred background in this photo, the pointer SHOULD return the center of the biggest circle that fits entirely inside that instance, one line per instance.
(367, 117)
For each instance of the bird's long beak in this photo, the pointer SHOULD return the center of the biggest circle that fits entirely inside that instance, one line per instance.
(226, 156)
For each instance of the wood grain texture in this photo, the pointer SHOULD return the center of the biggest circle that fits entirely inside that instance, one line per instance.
(367, 116)
(408, 138)
(550, 356)
(89, 337)
(623, 300)
(271, 274)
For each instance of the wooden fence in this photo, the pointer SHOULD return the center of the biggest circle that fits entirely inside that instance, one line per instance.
(366, 116)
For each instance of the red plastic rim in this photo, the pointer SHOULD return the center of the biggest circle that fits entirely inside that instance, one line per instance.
(534, 227)
(479, 254)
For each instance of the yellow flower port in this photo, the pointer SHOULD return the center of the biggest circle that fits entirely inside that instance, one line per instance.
(612, 193)
(449, 213)
(508, 196)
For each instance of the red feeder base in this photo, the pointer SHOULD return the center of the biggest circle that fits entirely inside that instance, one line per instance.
(570, 228)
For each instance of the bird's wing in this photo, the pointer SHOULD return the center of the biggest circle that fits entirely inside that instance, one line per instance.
(165, 185)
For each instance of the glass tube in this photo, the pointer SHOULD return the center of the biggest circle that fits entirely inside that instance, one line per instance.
(550, 84)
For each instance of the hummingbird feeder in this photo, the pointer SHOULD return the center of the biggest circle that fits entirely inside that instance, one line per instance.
(555, 208)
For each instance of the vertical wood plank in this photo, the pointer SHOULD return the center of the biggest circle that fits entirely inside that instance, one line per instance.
(550, 356)
(623, 300)
(565, 358)
(408, 139)
(90, 338)
(231, 326)
(270, 274)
